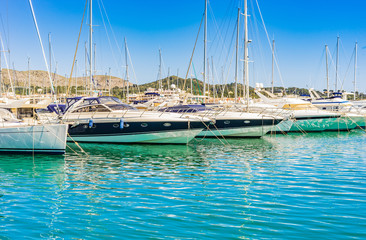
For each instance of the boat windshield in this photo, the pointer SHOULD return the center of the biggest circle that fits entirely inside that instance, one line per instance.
(112, 102)
(109, 100)
(92, 108)
(121, 106)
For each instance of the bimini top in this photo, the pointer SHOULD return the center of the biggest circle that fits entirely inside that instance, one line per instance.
(112, 102)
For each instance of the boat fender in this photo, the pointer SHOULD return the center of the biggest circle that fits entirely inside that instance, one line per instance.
(91, 123)
(121, 123)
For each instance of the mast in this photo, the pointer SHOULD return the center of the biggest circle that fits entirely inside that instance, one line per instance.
(177, 78)
(86, 68)
(94, 66)
(7, 66)
(168, 78)
(50, 51)
(191, 82)
(109, 82)
(208, 77)
(56, 82)
(326, 65)
(213, 79)
(160, 80)
(1, 84)
(246, 41)
(237, 57)
(29, 76)
(205, 51)
(355, 71)
(336, 82)
(76, 77)
(91, 43)
(127, 77)
(273, 56)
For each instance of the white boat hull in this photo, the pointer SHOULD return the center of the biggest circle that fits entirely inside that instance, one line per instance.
(240, 132)
(49, 138)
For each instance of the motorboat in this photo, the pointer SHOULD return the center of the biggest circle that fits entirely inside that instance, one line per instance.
(107, 120)
(229, 123)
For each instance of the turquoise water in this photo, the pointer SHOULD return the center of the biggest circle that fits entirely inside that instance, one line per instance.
(283, 187)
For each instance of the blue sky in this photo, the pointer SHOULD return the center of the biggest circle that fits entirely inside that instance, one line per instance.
(301, 29)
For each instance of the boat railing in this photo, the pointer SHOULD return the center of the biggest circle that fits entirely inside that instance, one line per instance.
(96, 115)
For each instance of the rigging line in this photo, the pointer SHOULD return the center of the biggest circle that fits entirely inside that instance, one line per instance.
(226, 18)
(53, 55)
(7, 20)
(269, 42)
(198, 85)
(110, 26)
(310, 83)
(162, 67)
(254, 26)
(332, 62)
(7, 66)
(2, 24)
(106, 30)
(348, 68)
(221, 39)
(133, 69)
(40, 41)
(227, 58)
(227, 75)
(76, 50)
(218, 33)
(194, 48)
(344, 53)
(231, 46)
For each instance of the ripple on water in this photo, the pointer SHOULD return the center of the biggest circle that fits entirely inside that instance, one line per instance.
(295, 186)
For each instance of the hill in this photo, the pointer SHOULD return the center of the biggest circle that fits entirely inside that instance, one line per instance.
(40, 78)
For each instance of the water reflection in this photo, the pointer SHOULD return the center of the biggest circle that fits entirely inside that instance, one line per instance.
(249, 188)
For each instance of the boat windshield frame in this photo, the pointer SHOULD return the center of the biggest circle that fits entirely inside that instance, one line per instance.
(109, 101)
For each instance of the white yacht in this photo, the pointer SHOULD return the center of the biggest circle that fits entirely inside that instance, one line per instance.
(338, 103)
(108, 120)
(229, 123)
(308, 118)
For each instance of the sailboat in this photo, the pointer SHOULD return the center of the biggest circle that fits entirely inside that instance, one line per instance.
(17, 136)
